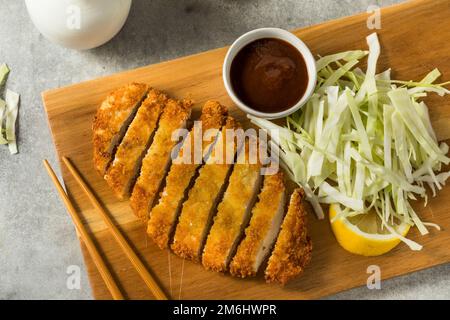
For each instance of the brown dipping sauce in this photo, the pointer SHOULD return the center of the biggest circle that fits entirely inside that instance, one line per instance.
(269, 75)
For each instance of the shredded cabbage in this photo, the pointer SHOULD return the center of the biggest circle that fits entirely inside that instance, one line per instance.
(8, 114)
(4, 70)
(2, 111)
(364, 141)
(12, 108)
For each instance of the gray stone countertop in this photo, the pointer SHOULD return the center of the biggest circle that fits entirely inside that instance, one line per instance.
(37, 239)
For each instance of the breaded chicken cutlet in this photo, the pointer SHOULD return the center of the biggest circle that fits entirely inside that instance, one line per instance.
(164, 215)
(112, 120)
(133, 133)
(263, 228)
(197, 211)
(293, 248)
(158, 157)
(233, 212)
(128, 158)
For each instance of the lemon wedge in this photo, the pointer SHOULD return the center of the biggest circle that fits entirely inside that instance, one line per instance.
(363, 234)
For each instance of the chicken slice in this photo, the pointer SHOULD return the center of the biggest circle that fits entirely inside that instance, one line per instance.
(128, 159)
(158, 157)
(112, 120)
(263, 229)
(233, 212)
(293, 248)
(197, 211)
(164, 215)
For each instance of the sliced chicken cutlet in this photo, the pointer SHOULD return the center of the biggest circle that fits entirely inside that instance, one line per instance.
(158, 157)
(112, 120)
(233, 212)
(164, 215)
(128, 158)
(293, 248)
(197, 211)
(263, 229)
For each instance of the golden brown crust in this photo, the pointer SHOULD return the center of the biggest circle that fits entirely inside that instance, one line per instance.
(293, 248)
(272, 196)
(195, 216)
(157, 159)
(130, 151)
(112, 119)
(213, 115)
(232, 213)
(163, 215)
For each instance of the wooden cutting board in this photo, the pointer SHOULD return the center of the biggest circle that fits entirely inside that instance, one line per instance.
(414, 38)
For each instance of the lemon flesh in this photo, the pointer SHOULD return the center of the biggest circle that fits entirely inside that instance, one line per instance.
(363, 234)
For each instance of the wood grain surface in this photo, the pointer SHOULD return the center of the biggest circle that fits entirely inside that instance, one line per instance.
(414, 39)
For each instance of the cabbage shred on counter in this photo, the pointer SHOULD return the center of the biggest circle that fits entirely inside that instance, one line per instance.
(9, 108)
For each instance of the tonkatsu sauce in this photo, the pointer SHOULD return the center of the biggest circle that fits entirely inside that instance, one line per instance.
(269, 75)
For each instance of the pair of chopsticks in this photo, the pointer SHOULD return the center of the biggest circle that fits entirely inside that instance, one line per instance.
(96, 257)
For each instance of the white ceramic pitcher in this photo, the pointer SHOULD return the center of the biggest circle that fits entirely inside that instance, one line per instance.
(79, 24)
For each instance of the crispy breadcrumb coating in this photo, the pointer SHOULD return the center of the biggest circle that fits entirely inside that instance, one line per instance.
(163, 216)
(196, 213)
(112, 119)
(128, 157)
(263, 229)
(233, 213)
(293, 248)
(158, 157)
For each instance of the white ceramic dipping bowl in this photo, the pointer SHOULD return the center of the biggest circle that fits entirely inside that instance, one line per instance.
(276, 33)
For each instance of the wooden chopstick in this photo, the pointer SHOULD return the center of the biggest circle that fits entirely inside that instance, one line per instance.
(92, 249)
(134, 259)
